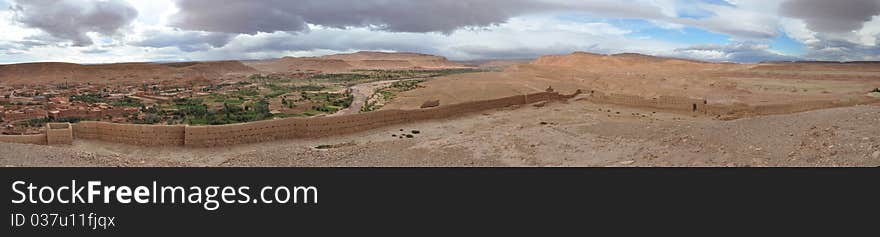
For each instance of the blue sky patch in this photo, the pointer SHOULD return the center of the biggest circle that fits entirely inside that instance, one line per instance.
(785, 44)
(692, 8)
(684, 35)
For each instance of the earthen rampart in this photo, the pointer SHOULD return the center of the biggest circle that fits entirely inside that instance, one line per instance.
(24, 139)
(59, 134)
(143, 135)
(676, 103)
(292, 128)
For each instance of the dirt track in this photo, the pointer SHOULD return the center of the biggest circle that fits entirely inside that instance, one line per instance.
(560, 134)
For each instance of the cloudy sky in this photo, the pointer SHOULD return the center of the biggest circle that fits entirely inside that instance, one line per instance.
(103, 31)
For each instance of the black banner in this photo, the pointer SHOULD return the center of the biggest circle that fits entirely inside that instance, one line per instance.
(411, 201)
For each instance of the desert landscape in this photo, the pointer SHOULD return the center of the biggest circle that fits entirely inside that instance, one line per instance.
(371, 109)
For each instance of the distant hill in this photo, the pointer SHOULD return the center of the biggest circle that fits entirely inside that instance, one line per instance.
(359, 60)
(495, 63)
(48, 73)
(821, 62)
(579, 59)
(181, 72)
(292, 64)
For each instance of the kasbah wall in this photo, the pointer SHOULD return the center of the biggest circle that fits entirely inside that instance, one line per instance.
(292, 128)
(56, 134)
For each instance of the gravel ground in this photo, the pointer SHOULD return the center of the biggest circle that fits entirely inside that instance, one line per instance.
(558, 134)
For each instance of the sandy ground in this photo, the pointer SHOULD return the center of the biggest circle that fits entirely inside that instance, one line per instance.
(574, 133)
(717, 83)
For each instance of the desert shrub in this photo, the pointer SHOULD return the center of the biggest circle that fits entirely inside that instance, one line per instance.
(37, 122)
(370, 107)
(248, 92)
(90, 98)
(324, 147)
(277, 90)
(406, 85)
(876, 90)
(287, 104)
(127, 102)
(148, 119)
(69, 120)
(310, 113)
(344, 102)
(387, 95)
(342, 77)
(309, 88)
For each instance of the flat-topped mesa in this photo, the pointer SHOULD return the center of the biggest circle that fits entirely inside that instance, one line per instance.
(359, 60)
(291, 64)
(578, 59)
(53, 72)
(370, 55)
(400, 60)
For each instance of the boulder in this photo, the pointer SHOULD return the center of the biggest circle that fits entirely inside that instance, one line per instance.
(430, 104)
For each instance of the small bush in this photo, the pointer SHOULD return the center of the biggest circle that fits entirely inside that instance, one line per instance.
(324, 147)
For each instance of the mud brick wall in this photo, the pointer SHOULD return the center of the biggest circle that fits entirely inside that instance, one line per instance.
(792, 108)
(290, 128)
(743, 110)
(262, 131)
(59, 134)
(537, 97)
(664, 102)
(724, 110)
(24, 139)
(142, 135)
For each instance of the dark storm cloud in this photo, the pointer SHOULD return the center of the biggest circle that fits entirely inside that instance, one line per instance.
(72, 19)
(334, 40)
(841, 50)
(187, 41)
(94, 51)
(740, 52)
(831, 16)
(18, 46)
(10, 46)
(486, 52)
(250, 16)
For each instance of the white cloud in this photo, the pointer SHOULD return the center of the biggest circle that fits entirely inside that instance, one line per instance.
(521, 33)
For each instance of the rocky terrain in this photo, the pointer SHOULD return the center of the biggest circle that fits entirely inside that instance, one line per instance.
(569, 133)
(572, 133)
(649, 76)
